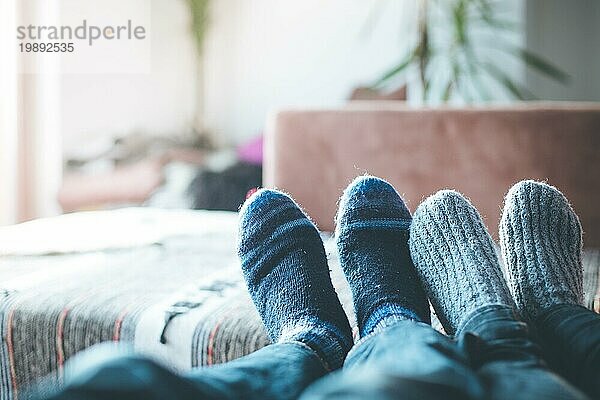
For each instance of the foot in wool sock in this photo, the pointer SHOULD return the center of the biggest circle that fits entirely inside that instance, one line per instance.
(454, 255)
(540, 237)
(372, 239)
(286, 271)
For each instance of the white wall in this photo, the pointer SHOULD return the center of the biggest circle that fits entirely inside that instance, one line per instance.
(265, 54)
(97, 106)
(568, 33)
(8, 113)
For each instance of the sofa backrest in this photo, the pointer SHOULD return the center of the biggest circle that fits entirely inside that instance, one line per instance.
(481, 152)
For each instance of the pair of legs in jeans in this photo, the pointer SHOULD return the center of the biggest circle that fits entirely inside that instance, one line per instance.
(501, 334)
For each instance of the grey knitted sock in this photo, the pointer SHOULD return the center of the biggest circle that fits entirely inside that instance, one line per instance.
(454, 255)
(540, 237)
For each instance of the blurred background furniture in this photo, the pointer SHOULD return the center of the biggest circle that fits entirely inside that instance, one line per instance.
(481, 152)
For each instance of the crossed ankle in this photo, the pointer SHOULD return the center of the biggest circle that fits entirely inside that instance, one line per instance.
(494, 332)
(328, 341)
(385, 315)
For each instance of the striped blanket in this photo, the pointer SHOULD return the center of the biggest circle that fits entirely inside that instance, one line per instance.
(168, 282)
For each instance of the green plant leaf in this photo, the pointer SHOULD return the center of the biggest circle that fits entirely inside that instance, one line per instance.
(474, 79)
(405, 63)
(460, 21)
(480, 88)
(484, 7)
(535, 62)
(498, 23)
(543, 66)
(199, 10)
(448, 91)
(514, 88)
(452, 83)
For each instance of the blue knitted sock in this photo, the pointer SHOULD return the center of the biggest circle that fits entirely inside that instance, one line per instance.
(455, 257)
(372, 238)
(286, 271)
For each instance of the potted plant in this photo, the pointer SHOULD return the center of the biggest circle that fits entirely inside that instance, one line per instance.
(199, 20)
(449, 63)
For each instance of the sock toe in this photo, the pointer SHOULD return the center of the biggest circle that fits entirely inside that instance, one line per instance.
(369, 197)
(258, 212)
(540, 237)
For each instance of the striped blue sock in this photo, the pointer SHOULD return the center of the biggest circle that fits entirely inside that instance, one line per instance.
(286, 271)
(372, 237)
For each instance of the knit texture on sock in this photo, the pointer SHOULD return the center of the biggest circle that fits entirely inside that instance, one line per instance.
(286, 271)
(540, 237)
(372, 238)
(454, 255)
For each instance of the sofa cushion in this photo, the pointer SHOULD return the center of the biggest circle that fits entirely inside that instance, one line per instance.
(479, 151)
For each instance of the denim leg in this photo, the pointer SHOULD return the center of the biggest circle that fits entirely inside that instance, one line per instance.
(408, 360)
(277, 371)
(570, 338)
(507, 360)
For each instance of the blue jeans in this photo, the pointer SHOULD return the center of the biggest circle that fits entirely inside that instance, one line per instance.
(493, 357)
(570, 338)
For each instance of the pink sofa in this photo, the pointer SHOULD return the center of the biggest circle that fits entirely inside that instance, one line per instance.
(314, 154)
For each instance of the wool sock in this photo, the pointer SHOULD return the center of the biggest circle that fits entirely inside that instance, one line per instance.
(372, 239)
(455, 257)
(540, 237)
(286, 271)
